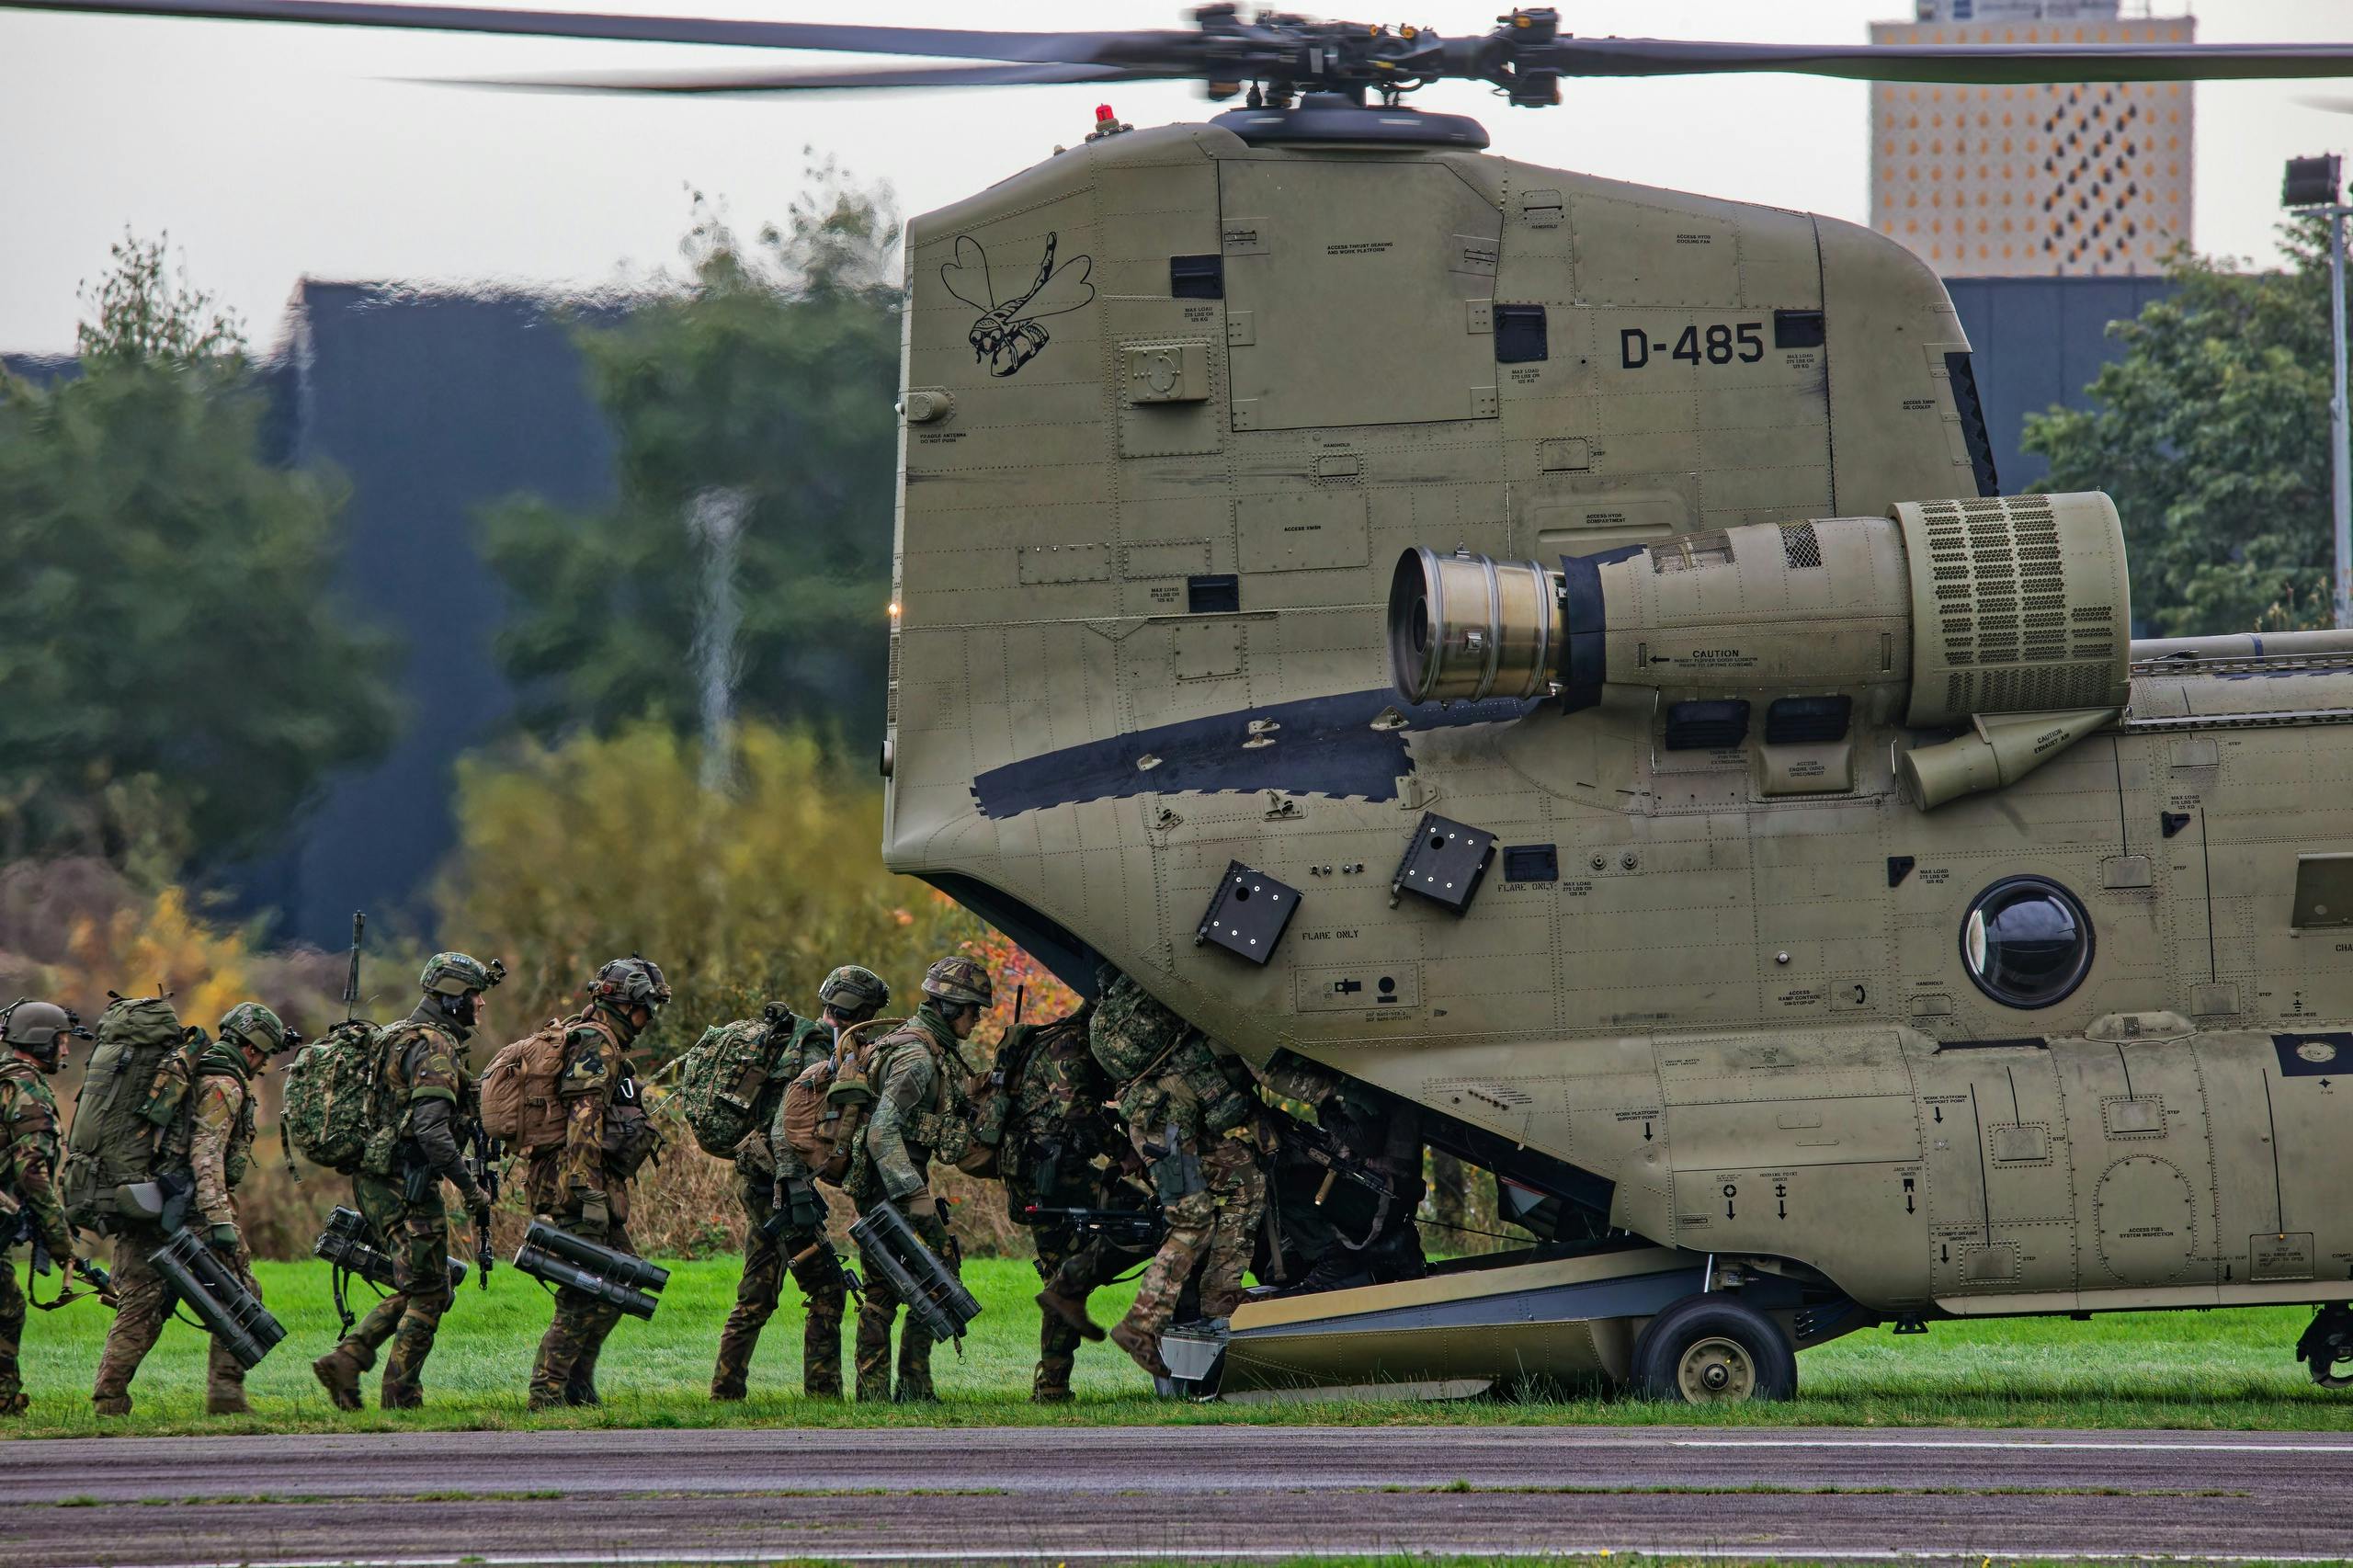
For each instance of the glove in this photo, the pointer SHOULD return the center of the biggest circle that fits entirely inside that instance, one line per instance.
(923, 1206)
(800, 1200)
(479, 1210)
(225, 1239)
(596, 1218)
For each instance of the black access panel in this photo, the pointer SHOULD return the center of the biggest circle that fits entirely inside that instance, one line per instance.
(1248, 912)
(1444, 863)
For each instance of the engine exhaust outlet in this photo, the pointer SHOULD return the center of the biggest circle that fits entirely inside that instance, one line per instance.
(1463, 627)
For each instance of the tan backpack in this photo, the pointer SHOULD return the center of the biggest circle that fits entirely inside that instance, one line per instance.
(519, 1102)
(824, 1109)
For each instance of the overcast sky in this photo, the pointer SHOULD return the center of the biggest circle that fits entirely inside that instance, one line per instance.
(270, 154)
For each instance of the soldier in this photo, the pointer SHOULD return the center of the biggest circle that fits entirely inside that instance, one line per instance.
(33, 1047)
(209, 1144)
(1058, 1148)
(429, 1094)
(1197, 1132)
(916, 1072)
(581, 1183)
(765, 1182)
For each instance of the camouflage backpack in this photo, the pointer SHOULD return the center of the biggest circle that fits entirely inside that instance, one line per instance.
(333, 1090)
(721, 1083)
(122, 1113)
(824, 1109)
(1131, 1031)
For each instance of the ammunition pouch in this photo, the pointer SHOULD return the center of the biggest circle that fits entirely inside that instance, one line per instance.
(936, 1298)
(947, 1136)
(561, 1259)
(230, 1313)
(629, 1140)
(1177, 1175)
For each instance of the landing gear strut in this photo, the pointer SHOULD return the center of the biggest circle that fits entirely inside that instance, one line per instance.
(2327, 1346)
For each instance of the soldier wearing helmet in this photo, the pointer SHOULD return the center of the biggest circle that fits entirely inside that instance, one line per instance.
(767, 1179)
(581, 1183)
(33, 1047)
(210, 1141)
(429, 1099)
(917, 1074)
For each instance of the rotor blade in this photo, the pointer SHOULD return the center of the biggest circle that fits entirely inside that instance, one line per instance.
(750, 83)
(1179, 51)
(1992, 64)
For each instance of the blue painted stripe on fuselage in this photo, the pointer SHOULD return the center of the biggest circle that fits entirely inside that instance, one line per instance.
(1318, 745)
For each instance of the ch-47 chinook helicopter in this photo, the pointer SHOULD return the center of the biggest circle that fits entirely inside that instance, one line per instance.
(1555, 651)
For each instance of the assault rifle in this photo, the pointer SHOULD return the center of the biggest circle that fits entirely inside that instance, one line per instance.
(479, 1153)
(15, 1226)
(351, 976)
(1136, 1230)
(1339, 1164)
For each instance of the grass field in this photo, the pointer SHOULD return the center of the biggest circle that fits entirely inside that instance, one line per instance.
(2217, 1370)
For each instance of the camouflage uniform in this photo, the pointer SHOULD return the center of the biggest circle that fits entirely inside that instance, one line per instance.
(582, 1186)
(28, 1177)
(429, 1089)
(211, 1141)
(143, 1300)
(1350, 1238)
(794, 1044)
(915, 1093)
(1058, 1148)
(1196, 1132)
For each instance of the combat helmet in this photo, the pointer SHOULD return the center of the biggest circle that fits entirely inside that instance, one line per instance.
(853, 989)
(38, 1029)
(632, 981)
(961, 980)
(251, 1024)
(454, 974)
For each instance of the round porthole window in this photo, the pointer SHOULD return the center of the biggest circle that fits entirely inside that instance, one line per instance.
(2027, 942)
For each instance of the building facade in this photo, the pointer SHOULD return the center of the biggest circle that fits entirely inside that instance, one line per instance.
(2092, 179)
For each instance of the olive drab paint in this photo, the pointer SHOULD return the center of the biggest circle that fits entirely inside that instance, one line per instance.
(1856, 907)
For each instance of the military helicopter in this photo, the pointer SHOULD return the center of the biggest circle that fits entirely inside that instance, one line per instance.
(1555, 652)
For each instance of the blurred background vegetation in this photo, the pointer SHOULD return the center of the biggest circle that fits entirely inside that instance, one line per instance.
(688, 775)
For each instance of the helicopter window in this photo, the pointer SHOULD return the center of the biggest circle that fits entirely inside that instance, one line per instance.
(1798, 329)
(1213, 593)
(2027, 942)
(1197, 277)
(1520, 335)
(1707, 726)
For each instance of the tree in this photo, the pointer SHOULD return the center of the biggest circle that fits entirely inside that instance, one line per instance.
(749, 547)
(177, 676)
(2212, 434)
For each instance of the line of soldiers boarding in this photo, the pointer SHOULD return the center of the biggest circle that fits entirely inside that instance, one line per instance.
(1123, 1137)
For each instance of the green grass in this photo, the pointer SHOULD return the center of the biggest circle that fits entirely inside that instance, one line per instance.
(2217, 1370)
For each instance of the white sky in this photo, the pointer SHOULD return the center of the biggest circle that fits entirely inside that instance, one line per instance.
(273, 153)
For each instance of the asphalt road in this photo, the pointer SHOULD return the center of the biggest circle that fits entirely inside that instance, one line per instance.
(1094, 1494)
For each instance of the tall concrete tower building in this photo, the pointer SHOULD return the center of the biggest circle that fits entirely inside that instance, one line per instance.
(2036, 181)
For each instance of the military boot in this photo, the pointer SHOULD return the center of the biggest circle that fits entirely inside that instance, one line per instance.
(15, 1405)
(1051, 1385)
(110, 1403)
(226, 1398)
(339, 1371)
(580, 1383)
(1145, 1348)
(400, 1396)
(1072, 1310)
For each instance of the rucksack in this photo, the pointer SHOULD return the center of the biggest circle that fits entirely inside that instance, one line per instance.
(518, 1104)
(824, 1109)
(989, 1096)
(720, 1081)
(1131, 1030)
(121, 1112)
(334, 1090)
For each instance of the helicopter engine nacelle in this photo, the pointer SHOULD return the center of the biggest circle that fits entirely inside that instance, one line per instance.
(1943, 612)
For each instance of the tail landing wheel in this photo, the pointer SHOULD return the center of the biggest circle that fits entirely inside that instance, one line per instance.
(1714, 1349)
(2327, 1347)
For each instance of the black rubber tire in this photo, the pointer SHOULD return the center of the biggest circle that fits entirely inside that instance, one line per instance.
(1759, 1355)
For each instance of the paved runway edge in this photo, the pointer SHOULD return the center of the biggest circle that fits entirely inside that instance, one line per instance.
(1099, 1495)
